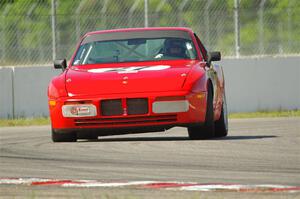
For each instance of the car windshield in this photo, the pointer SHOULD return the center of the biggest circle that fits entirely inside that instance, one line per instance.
(134, 50)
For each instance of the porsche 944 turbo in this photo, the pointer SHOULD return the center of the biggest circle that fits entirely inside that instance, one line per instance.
(138, 80)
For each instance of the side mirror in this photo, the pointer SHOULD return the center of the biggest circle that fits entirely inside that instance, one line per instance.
(60, 63)
(213, 56)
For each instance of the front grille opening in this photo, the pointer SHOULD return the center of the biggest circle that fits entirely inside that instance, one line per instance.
(111, 107)
(137, 106)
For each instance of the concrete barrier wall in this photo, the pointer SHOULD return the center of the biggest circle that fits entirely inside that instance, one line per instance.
(251, 85)
(262, 83)
(6, 94)
(30, 90)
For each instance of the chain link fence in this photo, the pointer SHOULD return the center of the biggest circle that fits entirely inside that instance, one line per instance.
(267, 27)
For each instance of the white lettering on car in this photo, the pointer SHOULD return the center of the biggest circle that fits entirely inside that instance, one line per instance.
(132, 69)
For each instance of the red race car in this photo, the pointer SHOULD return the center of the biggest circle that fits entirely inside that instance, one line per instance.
(138, 80)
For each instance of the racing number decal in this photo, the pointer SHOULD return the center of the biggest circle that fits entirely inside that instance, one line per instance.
(133, 69)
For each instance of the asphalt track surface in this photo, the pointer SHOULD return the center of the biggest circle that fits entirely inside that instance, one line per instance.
(256, 151)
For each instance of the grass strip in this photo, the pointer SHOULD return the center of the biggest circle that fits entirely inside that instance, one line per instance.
(259, 114)
(25, 121)
(267, 114)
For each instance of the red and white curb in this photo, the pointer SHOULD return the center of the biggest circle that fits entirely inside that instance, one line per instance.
(150, 185)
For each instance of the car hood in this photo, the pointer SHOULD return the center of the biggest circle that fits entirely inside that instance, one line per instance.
(127, 78)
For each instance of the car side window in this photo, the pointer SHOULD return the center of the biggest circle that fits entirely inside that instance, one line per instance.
(202, 48)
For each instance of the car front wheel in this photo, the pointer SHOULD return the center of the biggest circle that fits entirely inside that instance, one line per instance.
(208, 129)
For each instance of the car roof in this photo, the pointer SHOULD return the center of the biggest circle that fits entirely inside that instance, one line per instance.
(140, 29)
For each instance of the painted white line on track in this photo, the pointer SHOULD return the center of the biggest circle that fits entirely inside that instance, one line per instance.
(230, 187)
(111, 184)
(21, 180)
(150, 185)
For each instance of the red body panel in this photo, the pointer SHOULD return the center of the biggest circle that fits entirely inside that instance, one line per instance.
(97, 82)
(194, 115)
(166, 76)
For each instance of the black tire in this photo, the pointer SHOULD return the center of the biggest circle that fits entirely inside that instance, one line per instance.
(221, 125)
(208, 129)
(64, 137)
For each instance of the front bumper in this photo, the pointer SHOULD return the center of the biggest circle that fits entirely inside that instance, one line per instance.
(194, 115)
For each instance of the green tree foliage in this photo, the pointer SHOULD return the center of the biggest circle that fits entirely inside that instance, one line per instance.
(25, 25)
